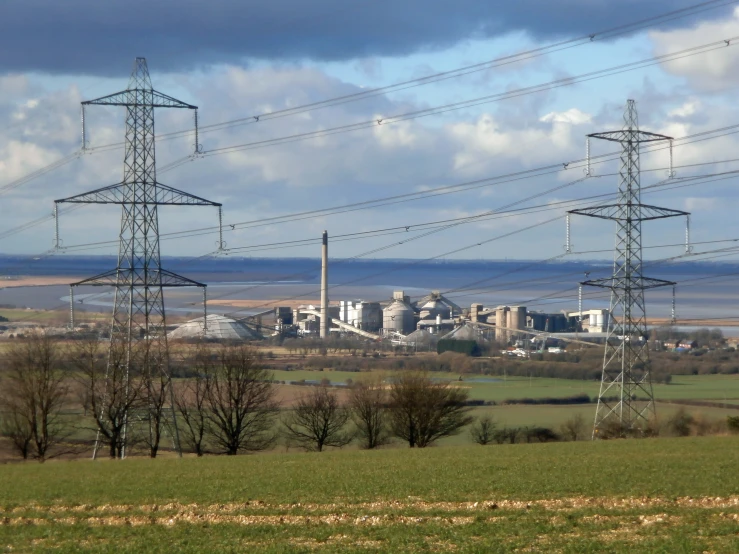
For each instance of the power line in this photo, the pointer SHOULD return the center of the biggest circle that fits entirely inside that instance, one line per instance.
(447, 189)
(396, 244)
(461, 71)
(708, 47)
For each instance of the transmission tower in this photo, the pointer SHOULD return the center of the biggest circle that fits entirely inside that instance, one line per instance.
(626, 398)
(138, 339)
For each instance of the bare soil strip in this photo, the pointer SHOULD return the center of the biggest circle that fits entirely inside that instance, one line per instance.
(364, 514)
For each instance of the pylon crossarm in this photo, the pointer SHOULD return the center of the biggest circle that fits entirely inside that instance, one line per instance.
(630, 135)
(126, 277)
(618, 284)
(166, 195)
(108, 278)
(130, 97)
(113, 194)
(121, 193)
(171, 279)
(636, 212)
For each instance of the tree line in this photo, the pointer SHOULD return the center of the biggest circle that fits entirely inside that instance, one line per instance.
(228, 405)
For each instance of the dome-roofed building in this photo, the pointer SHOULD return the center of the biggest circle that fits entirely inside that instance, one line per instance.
(399, 317)
(219, 327)
(436, 304)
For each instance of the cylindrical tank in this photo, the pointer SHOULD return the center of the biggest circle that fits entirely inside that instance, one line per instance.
(606, 320)
(398, 317)
(501, 320)
(597, 319)
(517, 317)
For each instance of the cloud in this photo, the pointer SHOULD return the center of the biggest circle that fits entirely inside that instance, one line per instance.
(94, 37)
(572, 116)
(685, 110)
(383, 161)
(489, 139)
(711, 71)
(693, 204)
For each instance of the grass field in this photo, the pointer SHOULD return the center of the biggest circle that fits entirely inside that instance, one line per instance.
(498, 389)
(662, 495)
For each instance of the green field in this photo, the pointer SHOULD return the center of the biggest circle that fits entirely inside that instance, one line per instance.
(660, 495)
(498, 389)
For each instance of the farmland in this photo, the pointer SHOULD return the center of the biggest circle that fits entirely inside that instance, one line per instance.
(481, 387)
(569, 497)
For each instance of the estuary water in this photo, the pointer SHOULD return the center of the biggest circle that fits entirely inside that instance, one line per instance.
(704, 290)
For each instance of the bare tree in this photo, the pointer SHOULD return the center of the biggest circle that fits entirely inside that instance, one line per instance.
(318, 420)
(575, 428)
(368, 407)
(483, 431)
(240, 401)
(34, 393)
(422, 411)
(109, 389)
(151, 361)
(15, 427)
(191, 401)
(156, 385)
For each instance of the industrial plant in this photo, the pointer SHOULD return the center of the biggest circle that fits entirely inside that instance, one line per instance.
(404, 321)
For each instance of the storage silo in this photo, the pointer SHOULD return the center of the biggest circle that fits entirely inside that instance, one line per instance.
(399, 317)
(517, 317)
(475, 310)
(501, 321)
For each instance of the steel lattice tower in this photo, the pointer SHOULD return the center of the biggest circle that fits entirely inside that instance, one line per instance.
(138, 339)
(626, 398)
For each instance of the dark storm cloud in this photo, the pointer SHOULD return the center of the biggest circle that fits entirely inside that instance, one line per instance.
(97, 36)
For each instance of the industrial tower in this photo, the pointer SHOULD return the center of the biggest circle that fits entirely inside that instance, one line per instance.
(626, 399)
(138, 340)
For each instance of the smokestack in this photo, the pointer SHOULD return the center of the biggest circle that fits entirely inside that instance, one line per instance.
(324, 286)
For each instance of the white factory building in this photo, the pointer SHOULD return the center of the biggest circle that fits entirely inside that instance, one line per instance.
(361, 314)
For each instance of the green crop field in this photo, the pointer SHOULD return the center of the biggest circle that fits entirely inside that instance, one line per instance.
(498, 389)
(657, 495)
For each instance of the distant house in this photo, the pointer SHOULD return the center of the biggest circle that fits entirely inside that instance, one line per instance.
(686, 344)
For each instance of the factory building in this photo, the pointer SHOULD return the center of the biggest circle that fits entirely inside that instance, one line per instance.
(435, 304)
(478, 313)
(310, 323)
(551, 323)
(594, 321)
(436, 313)
(436, 326)
(508, 319)
(283, 315)
(361, 314)
(399, 317)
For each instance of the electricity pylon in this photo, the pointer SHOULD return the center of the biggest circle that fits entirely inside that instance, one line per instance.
(138, 339)
(626, 398)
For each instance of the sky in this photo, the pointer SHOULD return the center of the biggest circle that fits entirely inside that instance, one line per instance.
(237, 59)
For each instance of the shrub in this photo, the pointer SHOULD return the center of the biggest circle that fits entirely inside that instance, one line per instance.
(680, 423)
(732, 422)
(483, 431)
(574, 429)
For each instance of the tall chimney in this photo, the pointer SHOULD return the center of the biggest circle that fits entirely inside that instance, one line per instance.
(324, 287)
